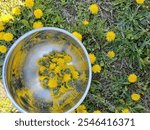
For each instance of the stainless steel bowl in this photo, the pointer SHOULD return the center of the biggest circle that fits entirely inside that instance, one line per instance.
(20, 72)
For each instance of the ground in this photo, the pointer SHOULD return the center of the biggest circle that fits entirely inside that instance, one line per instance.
(110, 90)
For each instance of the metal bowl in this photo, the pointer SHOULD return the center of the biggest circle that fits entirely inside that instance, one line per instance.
(20, 72)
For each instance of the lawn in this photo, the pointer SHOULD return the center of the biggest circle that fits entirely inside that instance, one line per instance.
(116, 32)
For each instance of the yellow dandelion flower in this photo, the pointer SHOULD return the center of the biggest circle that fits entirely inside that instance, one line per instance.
(110, 36)
(94, 8)
(16, 11)
(66, 77)
(2, 27)
(85, 22)
(140, 1)
(135, 97)
(6, 18)
(125, 110)
(3, 49)
(96, 68)
(67, 58)
(132, 78)
(77, 35)
(75, 74)
(8, 37)
(38, 13)
(41, 78)
(29, 3)
(63, 89)
(42, 68)
(54, 60)
(37, 25)
(111, 54)
(57, 69)
(97, 111)
(52, 83)
(81, 109)
(92, 58)
(71, 67)
(60, 61)
(2, 35)
(52, 66)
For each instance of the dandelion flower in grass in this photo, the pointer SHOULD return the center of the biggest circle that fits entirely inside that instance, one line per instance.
(132, 78)
(29, 3)
(2, 27)
(6, 18)
(8, 37)
(135, 97)
(52, 83)
(38, 13)
(1, 35)
(125, 110)
(81, 109)
(94, 8)
(92, 58)
(66, 77)
(111, 54)
(97, 111)
(96, 68)
(37, 25)
(16, 11)
(85, 22)
(140, 1)
(110, 36)
(77, 35)
(3, 49)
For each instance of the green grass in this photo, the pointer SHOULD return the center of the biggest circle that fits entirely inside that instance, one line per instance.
(110, 90)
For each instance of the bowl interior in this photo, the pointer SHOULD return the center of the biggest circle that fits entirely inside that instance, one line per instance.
(21, 71)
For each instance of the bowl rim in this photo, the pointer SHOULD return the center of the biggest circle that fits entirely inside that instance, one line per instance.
(7, 57)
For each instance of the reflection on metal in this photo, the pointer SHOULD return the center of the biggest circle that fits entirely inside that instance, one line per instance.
(20, 72)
